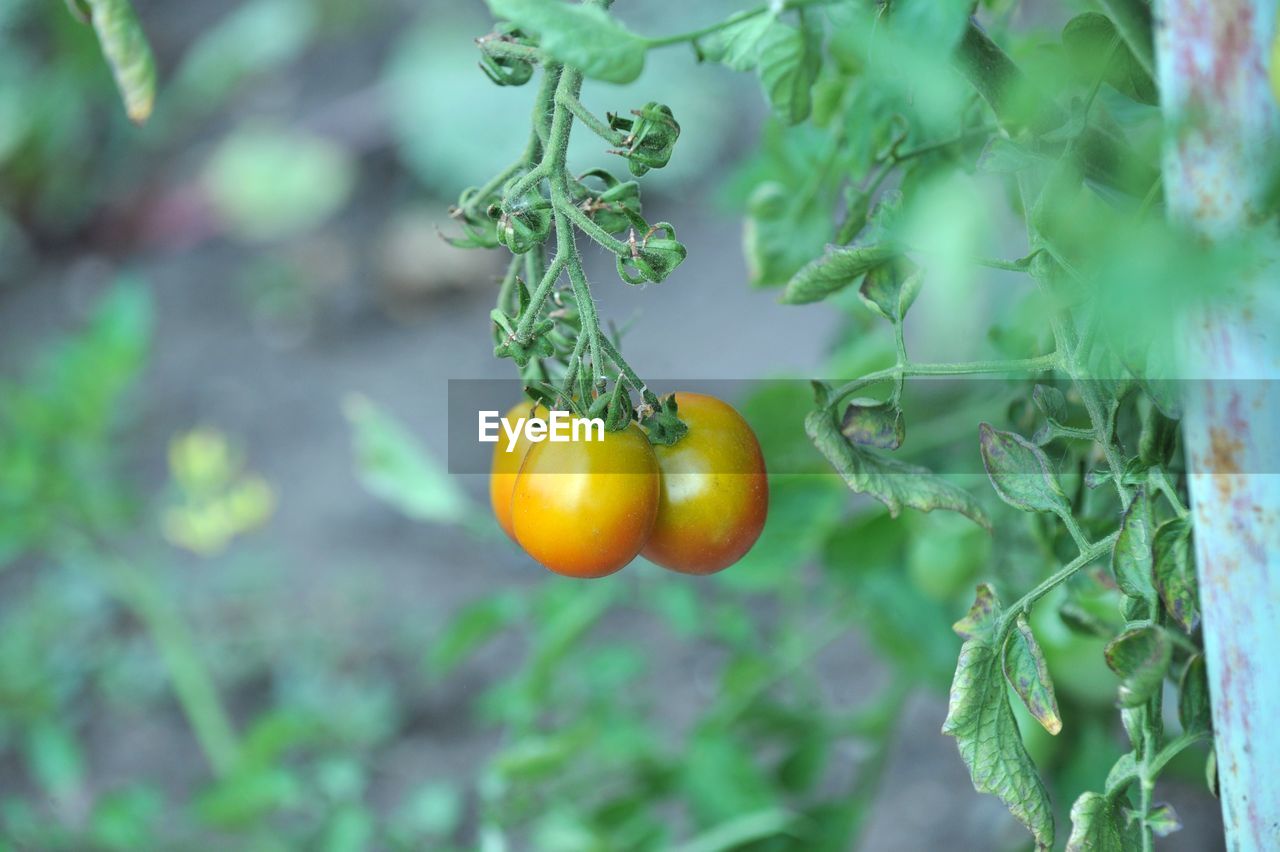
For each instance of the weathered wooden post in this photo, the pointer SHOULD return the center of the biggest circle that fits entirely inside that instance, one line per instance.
(1221, 162)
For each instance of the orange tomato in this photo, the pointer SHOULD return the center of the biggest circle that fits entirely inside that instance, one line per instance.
(506, 464)
(585, 508)
(715, 493)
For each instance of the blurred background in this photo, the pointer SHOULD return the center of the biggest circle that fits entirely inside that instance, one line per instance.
(242, 604)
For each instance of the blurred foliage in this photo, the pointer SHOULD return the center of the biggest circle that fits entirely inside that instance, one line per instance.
(633, 713)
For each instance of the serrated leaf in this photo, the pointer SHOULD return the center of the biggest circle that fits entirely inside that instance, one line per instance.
(980, 718)
(737, 46)
(1099, 825)
(125, 47)
(982, 616)
(1141, 658)
(1195, 711)
(892, 482)
(1020, 472)
(890, 288)
(1131, 560)
(1094, 47)
(840, 267)
(788, 64)
(1175, 573)
(869, 423)
(585, 37)
(1028, 674)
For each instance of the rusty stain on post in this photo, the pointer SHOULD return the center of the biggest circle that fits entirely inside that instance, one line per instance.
(1220, 166)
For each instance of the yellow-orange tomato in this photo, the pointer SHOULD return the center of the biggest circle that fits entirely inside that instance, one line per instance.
(585, 508)
(715, 494)
(506, 464)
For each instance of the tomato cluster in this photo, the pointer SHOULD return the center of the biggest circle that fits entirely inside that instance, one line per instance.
(587, 508)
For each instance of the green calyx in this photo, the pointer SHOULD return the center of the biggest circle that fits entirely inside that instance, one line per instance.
(650, 137)
(653, 258)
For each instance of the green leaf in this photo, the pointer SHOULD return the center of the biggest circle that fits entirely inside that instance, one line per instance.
(473, 625)
(1020, 472)
(247, 795)
(1097, 50)
(125, 47)
(1195, 712)
(740, 831)
(1028, 674)
(393, 467)
(869, 423)
(1141, 658)
(1050, 402)
(584, 37)
(1099, 825)
(892, 482)
(890, 288)
(738, 46)
(1175, 573)
(840, 267)
(1131, 560)
(778, 237)
(980, 718)
(789, 61)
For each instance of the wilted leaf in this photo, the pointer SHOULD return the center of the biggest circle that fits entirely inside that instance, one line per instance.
(840, 267)
(869, 423)
(892, 482)
(982, 616)
(986, 732)
(125, 47)
(1141, 658)
(1020, 472)
(890, 288)
(585, 37)
(1131, 557)
(1028, 674)
(789, 60)
(1175, 573)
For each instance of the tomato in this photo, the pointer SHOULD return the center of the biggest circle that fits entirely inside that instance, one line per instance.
(585, 508)
(506, 464)
(715, 494)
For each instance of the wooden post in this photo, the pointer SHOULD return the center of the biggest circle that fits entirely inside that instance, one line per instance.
(1221, 161)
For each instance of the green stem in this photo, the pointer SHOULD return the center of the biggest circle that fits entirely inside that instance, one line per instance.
(732, 20)
(630, 375)
(1039, 364)
(585, 224)
(590, 119)
(1088, 553)
(192, 683)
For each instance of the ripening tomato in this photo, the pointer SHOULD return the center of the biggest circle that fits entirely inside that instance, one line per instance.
(506, 464)
(585, 508)
(715, 494)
